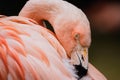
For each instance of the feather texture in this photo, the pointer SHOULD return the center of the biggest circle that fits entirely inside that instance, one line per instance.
(25, 56)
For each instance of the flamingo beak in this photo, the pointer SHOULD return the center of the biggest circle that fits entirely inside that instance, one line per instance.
(79, 58)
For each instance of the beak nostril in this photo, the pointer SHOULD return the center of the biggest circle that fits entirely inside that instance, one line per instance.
(83, 58)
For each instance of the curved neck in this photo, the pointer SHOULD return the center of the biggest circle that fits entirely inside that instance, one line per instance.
(40, 10)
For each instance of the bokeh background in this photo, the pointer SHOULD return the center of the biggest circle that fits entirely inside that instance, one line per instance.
(104, 17)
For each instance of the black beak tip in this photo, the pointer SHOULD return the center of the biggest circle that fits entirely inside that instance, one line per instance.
(81, 71)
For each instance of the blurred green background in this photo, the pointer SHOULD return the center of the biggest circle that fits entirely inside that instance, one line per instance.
(104, 17)
(105, 55)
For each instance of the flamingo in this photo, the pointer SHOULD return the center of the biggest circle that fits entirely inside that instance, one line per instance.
(29, 51)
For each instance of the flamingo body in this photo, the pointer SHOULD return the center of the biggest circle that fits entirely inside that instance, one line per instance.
(31, 52)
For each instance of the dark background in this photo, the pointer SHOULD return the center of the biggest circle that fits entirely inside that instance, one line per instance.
(104, 17)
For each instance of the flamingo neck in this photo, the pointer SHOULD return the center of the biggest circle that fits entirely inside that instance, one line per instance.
(40, 10)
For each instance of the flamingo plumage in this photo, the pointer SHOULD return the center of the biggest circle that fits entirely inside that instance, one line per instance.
(29, 51)
(24, 54)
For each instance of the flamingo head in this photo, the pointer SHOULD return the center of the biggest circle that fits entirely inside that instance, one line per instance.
(70, 26)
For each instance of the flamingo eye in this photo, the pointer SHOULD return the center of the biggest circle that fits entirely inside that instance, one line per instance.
(77, 36)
